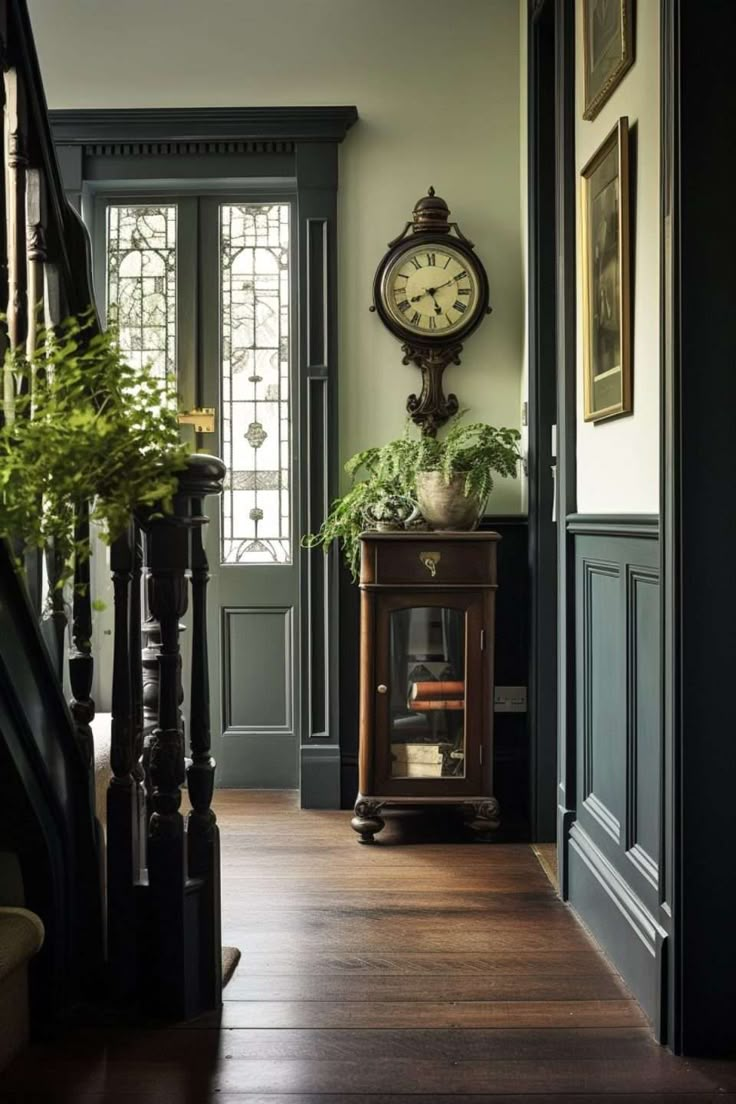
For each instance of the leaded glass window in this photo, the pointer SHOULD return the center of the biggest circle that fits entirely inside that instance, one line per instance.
(141, 284)
(255, 351)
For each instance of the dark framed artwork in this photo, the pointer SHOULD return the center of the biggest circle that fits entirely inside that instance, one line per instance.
(608, 49)
(607, 371)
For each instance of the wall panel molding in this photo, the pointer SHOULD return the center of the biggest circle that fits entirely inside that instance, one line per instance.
(620, 921)
(613, 877)
(594, 570)
(640, 665)
(614, 525)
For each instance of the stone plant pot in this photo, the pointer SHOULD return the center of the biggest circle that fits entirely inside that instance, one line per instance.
(445, 505)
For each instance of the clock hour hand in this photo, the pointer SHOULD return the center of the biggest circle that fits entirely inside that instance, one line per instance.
(424, 294)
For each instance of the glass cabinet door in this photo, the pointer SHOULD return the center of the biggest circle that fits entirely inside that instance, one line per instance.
(427, 693)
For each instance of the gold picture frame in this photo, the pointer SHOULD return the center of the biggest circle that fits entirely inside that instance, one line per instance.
(604, 194)
(608, 49)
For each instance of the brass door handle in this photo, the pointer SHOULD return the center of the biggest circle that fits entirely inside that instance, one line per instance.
(202, 418)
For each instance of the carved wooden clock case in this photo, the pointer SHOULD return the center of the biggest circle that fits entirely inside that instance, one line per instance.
(431, 291)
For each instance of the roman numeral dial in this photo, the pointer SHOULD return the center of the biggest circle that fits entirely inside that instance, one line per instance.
(431, 290)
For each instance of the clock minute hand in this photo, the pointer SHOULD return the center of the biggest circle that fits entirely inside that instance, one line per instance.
(447, 282)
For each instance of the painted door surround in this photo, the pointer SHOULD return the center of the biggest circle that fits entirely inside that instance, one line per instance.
(218, 150)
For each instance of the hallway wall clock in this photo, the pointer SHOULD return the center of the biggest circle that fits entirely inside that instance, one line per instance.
(431, 291)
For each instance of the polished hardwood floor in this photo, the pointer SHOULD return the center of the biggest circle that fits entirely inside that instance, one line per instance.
(424, 967)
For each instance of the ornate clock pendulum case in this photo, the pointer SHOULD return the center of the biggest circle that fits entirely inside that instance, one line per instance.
(431, 291)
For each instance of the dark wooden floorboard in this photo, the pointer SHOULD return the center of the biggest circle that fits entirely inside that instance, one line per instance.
(425, 968)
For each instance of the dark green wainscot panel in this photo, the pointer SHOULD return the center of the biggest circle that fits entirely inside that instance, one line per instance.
(614, 844)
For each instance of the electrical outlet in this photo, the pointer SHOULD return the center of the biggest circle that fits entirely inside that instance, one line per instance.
(509, 699)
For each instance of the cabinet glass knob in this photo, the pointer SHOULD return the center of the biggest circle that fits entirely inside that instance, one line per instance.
(382, 689)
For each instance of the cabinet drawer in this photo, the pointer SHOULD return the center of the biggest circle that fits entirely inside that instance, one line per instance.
(431, 562)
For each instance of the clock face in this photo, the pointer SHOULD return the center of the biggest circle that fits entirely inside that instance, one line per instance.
(431, 290)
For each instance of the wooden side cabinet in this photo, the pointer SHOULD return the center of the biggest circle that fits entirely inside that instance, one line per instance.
(426, 675)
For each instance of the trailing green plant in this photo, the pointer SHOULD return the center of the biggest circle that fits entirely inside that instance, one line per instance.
(475, 450)
(81, 424)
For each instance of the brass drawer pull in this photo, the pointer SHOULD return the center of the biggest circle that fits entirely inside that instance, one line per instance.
(382, 689)
(430, 561)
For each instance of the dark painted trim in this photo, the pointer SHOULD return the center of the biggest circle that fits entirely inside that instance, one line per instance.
(619, 920)
(320, 776)
(304, 124)
(698, 466)
(566, 190)
(317, 176)
(542, 416)
(614, 525)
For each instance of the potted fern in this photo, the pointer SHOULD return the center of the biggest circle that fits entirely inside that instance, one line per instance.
(438, 483)
(81, 425)
(455, 475)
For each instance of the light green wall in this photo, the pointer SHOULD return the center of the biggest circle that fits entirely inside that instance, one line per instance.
(618, 461)
(437, 89)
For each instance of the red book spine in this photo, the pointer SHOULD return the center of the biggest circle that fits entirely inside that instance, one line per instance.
(423, 704)
(447, 689)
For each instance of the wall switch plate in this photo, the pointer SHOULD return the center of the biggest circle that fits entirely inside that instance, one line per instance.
(509, 699)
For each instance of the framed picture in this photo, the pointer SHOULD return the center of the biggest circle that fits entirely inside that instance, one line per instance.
(606, 290)
(608, 49)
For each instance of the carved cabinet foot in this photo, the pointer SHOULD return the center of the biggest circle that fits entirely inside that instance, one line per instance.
(366, 821)
(483, 816)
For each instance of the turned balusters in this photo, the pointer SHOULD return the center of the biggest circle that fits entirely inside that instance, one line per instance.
(123, 811)
(202, 832)
(164, 928)
(81, 663)
(173, 975)
(15, 171)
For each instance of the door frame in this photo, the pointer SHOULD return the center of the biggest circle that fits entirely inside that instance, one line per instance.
(698, 473)
(185, 148)
(551, 345)
(697, 476)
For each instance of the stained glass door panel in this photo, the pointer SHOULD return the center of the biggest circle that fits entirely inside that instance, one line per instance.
(141, 284)
(427, 691)
(256, 408)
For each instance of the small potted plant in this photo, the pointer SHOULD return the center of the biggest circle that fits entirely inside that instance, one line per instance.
(445, 481)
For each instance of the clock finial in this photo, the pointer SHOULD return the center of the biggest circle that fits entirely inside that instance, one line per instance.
(431, 213)
(430, 190)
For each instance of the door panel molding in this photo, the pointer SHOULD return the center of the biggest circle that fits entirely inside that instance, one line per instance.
(229, 613)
